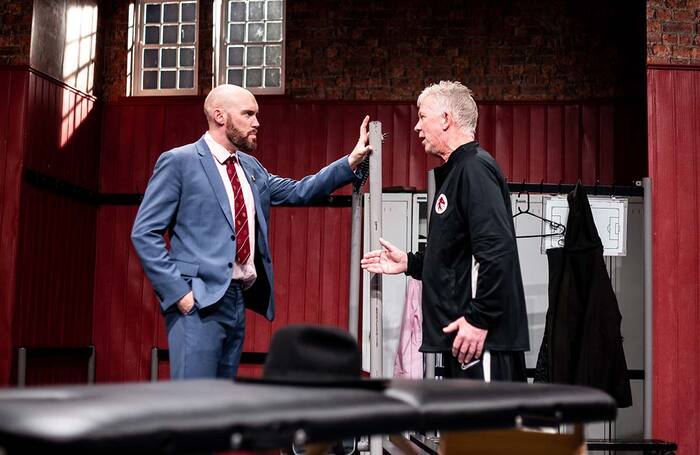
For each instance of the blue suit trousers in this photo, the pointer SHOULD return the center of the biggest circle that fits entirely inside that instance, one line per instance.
(207, 342)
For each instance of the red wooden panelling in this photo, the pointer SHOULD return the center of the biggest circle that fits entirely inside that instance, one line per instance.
(63, 132)
(674, 141)
(13, 105)
(533, 142)
(55, 280)
(55, 265)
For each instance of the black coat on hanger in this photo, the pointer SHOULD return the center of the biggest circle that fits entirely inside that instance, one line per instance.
(582, 342)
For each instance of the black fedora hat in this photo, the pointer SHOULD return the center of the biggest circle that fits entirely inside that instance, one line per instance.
(318, 356)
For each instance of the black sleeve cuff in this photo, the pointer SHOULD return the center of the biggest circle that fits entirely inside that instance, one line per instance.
(415, 266)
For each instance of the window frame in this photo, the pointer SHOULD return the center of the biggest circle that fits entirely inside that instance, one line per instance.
(220, 48)
(138, 46)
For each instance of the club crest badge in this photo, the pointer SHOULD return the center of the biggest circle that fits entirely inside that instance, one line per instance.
(441, 204)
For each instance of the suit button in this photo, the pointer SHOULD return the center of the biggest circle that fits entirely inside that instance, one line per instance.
(230, 265)
(233, 237)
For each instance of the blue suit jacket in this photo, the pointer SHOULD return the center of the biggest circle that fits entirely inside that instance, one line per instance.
(186, 197)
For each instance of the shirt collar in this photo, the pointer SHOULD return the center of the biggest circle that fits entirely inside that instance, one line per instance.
(219, 151)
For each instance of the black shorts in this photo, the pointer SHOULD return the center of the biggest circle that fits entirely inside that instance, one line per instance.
(503, 366)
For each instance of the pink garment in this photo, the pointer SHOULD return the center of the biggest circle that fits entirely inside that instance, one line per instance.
(409, 361)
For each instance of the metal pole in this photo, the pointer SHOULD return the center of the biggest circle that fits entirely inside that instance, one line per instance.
(21, 367)
(375, 280)
(355, 255)
(154, 364)
(91, 366)
(648, 308)
(430, 358)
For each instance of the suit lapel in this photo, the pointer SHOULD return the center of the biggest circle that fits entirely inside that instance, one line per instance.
(217, 184)
(250, 176)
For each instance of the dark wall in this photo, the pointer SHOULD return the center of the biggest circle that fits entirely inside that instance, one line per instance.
(534, 50)
(15, 31)
(389, 50)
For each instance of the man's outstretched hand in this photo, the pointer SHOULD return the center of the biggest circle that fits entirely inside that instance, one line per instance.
(389, 260)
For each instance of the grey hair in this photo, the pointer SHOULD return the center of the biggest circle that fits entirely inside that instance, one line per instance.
(456, 99)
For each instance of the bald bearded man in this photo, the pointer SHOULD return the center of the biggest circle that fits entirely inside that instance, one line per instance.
(213, 199)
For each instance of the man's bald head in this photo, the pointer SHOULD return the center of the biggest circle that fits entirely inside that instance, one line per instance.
(232, 114)
(225, 97)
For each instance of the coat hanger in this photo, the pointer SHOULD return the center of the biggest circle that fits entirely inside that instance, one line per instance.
(558, 228)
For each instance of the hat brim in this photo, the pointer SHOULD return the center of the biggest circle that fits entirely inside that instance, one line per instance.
(360, 383)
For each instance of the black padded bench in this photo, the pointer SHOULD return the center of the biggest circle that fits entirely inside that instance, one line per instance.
(210, 415)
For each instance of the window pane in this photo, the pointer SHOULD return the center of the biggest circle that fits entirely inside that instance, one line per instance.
(150, 80)
(254, 56)
(152, 35)
(272, 77)
(152, 13)
(236, 33)
(150, 58)
(253, 77)
(187, 56)
(274, 31)
(167, 79)
(170, 34)
(186, 79)
(235, 56)
(189, 10)
(168, 58)
(235, 77)
(253, 42)
(255, 31)
(274, 11)
(170, 12)
(273, 55)
(187, 34)
(255, 11)
(237, 12)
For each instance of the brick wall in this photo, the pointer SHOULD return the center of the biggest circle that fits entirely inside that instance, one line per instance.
(527, 50)
(673, 32)
(115, 21)
(15, 31)
(360, 49)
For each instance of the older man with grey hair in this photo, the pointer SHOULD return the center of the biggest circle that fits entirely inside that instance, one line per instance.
(473, 299)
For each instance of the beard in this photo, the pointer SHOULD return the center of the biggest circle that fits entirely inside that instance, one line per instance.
(240, 139)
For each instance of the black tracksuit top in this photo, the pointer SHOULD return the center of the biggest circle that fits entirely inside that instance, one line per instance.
(471, 215)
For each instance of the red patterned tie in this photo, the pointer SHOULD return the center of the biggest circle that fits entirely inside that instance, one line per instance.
(240, 219)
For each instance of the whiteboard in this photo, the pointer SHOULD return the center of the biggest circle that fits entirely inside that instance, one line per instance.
(609, 216)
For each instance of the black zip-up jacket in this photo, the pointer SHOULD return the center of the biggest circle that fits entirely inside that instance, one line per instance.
(471, 216)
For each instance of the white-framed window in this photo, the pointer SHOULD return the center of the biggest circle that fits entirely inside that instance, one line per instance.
(164, 52)
(250, 47)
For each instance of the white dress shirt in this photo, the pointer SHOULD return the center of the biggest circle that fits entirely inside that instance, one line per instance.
(244, 272)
